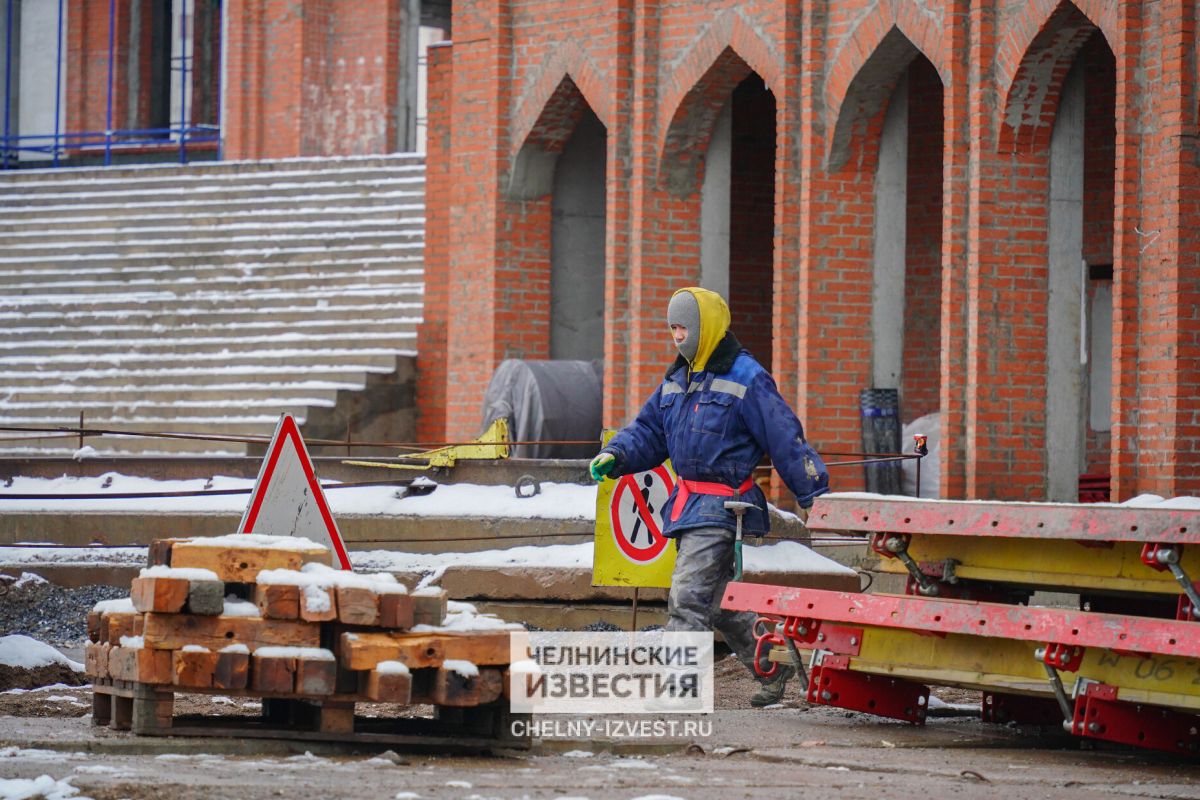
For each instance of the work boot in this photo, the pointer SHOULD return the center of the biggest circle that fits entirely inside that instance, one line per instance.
(771, 692)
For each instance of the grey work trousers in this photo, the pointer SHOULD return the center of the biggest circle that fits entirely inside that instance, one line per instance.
(704, 564)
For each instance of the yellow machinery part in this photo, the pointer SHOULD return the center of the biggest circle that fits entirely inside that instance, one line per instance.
(493, 444)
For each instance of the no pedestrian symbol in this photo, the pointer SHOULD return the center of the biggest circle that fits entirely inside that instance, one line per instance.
(637, 514)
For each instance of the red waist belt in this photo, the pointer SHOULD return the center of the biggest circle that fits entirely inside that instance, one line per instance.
(687, 487)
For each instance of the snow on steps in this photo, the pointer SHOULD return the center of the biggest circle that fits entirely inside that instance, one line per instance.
(206, 297)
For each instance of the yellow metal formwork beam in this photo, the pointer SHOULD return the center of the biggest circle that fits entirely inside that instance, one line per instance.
(1047, 563)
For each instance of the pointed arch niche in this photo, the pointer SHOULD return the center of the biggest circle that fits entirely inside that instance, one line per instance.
(559, 177)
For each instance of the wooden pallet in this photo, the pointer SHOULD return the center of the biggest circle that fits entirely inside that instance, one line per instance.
(147, 709)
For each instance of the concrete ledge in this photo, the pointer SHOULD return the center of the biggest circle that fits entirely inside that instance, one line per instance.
(574, 584)
(361, 532)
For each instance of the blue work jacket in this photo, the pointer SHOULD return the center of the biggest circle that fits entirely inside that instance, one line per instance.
(715, 427)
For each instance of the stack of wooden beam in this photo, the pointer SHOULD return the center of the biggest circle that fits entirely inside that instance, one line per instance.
(266, 617)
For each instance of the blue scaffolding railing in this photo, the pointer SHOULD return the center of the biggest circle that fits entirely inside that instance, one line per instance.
(59, 143)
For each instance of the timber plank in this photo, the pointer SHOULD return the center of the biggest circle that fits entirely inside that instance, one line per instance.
(316, 677)
(116, 624)
(357, 605)
(174, 631)
(491, 684)
(395, 610)
(161, 594)
(241, 564)
(273, 674)
(318, 604)
(194, 667)
(278, 600)
(140, 665)
(450, 688)
(364, 650)
(429, 608)
(232, 671)
(389, 687)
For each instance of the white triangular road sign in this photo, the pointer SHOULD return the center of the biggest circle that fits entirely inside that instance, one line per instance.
(287, 499)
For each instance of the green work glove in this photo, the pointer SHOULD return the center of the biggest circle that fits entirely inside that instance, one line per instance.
(602, 465)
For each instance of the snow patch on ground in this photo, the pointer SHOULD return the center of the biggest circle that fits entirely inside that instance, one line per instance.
(17, 650)
(41, 788)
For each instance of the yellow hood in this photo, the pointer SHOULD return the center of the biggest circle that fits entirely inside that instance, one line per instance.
(714, 323)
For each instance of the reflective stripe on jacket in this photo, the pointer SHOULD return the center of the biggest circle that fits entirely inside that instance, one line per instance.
(716, 428)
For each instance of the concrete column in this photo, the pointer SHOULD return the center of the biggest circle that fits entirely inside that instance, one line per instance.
(891, 206)
(408, 76)
(1064, 443)
(577, 325)
(714, 205)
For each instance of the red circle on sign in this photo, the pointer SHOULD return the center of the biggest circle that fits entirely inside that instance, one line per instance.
(658, 542)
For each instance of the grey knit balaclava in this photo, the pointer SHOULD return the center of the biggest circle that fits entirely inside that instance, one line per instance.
(684, 310)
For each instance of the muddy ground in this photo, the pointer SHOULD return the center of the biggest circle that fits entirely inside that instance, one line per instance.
(791, 750)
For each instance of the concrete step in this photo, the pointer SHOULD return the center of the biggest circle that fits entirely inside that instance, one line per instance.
(411, 265)
(181, 226)
(170, 414)
(55, 284)
(123, 332)
(182, 257)
(165, 347)
(146, 445)
(204, 241)
(405, 196)
(367, 359)
(211, 174)
(322, 393)
(112, 379)
(299, 309)
(164, 300)
(211, 215)
(170, 192)
(204, 168)
(399, 338)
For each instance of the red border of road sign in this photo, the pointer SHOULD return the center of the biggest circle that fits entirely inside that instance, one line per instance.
(288, 429)
(642, 555)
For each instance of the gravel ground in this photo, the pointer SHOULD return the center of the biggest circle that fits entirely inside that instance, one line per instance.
(49, 612)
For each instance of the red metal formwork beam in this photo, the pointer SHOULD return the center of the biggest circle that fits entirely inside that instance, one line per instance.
(1100, 715)
(1043, 625)
(1084, 523)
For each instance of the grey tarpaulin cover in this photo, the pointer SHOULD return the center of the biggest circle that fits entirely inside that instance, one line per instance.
(548, 401)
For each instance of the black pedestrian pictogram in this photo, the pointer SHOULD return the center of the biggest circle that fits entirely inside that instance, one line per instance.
(637, 525)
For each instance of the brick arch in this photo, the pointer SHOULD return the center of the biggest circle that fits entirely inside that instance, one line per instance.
(567, 61)
(532, 174)
(866, 95)
(699, 88)
(1032, 94)
(891, 24)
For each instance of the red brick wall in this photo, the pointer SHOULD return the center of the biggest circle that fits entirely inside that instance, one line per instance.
(87, 78)
(657, 73)
(312, 77)
(921, 368)
(431, 355)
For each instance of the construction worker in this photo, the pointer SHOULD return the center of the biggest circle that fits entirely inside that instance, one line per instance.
(715, 414)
